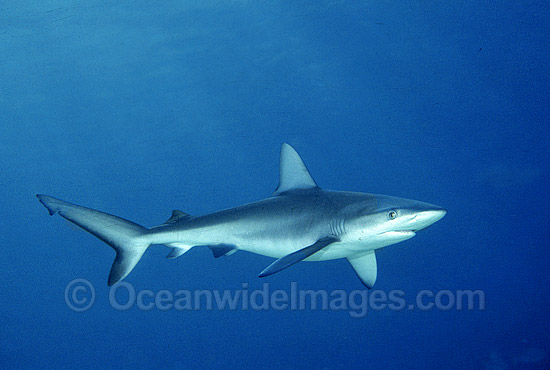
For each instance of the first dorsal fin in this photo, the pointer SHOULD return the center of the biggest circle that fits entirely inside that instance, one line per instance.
(177, 216)
(293, 173)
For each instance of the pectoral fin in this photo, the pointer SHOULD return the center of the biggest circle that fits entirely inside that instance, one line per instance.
(365, 268)
(289, 260)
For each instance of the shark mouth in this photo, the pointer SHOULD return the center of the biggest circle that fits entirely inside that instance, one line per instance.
(406, 231)
(410, 233)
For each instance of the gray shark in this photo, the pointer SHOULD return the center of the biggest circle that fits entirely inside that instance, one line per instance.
(299, 221)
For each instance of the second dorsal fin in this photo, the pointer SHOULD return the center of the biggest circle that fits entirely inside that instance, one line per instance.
(177, 216)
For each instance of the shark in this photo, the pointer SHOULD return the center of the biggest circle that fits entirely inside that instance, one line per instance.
(298, 222)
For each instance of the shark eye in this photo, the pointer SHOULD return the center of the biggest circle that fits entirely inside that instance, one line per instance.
(392, 215)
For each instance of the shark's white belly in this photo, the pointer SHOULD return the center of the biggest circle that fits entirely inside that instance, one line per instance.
(281, 249)
(266, 245)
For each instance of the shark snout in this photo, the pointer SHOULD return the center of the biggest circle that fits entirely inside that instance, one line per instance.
(425, 218)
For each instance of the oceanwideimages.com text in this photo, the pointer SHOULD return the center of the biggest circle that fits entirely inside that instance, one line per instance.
(80, 297)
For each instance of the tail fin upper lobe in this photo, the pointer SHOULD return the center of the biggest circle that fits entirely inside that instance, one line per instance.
(128, 239)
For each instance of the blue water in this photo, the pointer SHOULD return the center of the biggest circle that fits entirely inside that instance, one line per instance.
(137, 108)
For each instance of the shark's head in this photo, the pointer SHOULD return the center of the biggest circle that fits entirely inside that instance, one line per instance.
(383, 220)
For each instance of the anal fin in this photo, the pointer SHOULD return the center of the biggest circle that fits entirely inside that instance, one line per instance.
(177, 251)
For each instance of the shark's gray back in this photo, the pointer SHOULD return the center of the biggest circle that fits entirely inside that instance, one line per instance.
(309, 213)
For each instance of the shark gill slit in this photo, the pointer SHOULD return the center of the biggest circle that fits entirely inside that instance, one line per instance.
(337, 227)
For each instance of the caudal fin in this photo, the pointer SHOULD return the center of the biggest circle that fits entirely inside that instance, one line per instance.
(128, 239)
